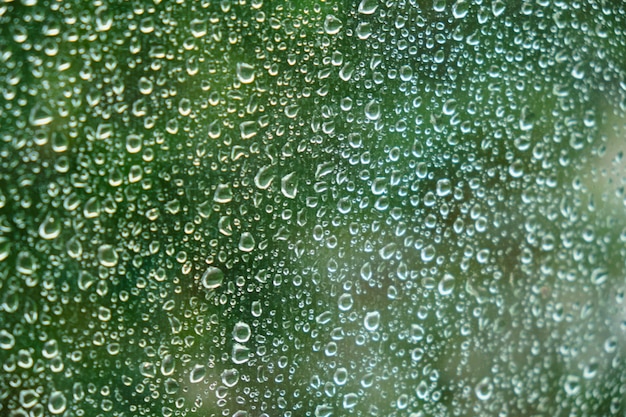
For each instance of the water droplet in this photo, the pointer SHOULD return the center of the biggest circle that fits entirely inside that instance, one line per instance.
(168, 365)
(417, 333)
(332, 25)
(350, 400)
(223, 194)
(245, 73)
(289, 185)
(50, 228)
(460, 9)
(5, 248)
(444, 187)
(446, 285)
(372, 110)
(198, 27)
(241, 353)
(345, 302)
(516, 169)
(599, 276)
(241, 332)
(366, 271)
(230, 377)
(26, 263)
(484, 389)
(263, 179)
(85, 280)
(246, 242)
(572, 385)
(28, 398)
(133, 143)
(40, 115)
(7, 340)
(107, 255)
(248, 129)
(498, 7)
(323, 410)
(212, 278)
(197, 374)
(57, 402)
(372, 320)
(368, 6)
(256, 309)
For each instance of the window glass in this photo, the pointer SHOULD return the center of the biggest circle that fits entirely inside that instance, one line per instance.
(312, 208)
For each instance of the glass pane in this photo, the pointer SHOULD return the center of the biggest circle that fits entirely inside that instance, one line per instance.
(312, 208)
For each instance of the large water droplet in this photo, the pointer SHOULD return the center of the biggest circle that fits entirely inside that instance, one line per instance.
(241, 332)
(197, 374)
(332, 25)
(212, 278)
(246, 242)
(50, 228)
(289, 185)
(368, 6)
(372, 320)
(57, 402)
(245, 73)
(107, 255)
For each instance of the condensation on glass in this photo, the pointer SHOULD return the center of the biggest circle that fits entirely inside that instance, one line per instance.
(312, 208)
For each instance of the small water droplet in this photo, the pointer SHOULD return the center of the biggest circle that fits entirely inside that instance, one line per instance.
(40, 115)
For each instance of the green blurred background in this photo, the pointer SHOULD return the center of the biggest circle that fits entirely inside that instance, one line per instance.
(312, 208)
